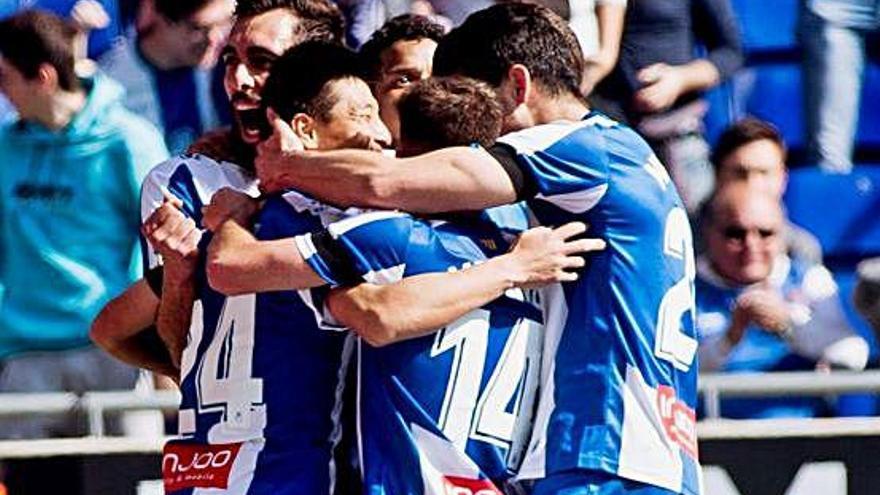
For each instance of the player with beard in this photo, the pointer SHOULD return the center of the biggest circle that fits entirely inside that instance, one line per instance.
(261, 382)
(263, 30)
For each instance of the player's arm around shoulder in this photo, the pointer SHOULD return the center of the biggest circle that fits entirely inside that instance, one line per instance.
(239, 263)
(422, 304)
(451, 179)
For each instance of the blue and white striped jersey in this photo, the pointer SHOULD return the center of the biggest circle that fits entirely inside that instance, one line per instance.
(193, 179)
(261, 383)
(438, 414)
(618, 375)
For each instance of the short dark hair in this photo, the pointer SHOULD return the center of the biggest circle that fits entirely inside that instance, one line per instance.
(32, 38)
(318, 18)
(741, 133)
(449, 111)
(490, 41)
(298, 80)
(179, 10)
(404, 27)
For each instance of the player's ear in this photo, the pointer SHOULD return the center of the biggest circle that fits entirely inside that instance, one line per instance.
(521, 80)
(303, 126)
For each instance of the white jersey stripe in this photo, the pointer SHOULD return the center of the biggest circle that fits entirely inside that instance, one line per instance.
(539, 138)
(577, 201)
(341, 227)
(555, 314)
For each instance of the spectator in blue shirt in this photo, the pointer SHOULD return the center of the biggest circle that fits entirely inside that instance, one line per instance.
(759, 310)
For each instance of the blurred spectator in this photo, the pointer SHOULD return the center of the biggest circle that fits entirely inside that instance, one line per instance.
(598, 25)
(751, 151)
(458, 10)
(100, 36)
(364, 17)
(398, 55)
(167, 66)
(95, 28)
(867, 292)
(657, 83)
(759, 310)
(69, 186)
(834, 34)
(87, 16)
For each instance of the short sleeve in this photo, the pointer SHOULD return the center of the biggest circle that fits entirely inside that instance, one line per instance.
(371, 247)
(565, 160)
(177, 178)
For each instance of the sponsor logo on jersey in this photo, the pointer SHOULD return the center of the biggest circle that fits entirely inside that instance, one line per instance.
(197, 465)
(465, 486)
(679, 421)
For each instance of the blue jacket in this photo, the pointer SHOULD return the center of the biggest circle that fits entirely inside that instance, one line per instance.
(69, 216)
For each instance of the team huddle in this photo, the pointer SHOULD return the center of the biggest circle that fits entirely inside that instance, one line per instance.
(427, 263)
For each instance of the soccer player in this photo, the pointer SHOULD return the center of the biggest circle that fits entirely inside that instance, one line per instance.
(263, 30)
(397, 55)
(264, 382)
(448, 400)
(448, 111)
(616, 413)
(460, 399)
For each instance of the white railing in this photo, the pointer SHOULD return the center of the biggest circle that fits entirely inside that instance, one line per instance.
(93, 404)
(712, 387)
(804, 383)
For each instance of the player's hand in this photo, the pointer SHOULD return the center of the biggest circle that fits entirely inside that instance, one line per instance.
(273, 152)
(765, 308)
(229, 204)
(543, 256)
(174, 236)
(662, 85)
(216, 144)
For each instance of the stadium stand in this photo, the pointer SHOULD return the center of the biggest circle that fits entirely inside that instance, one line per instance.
(841, 210)
(770, 86)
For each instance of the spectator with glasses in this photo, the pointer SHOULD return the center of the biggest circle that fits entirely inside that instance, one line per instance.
(167, 66)
(760, 310)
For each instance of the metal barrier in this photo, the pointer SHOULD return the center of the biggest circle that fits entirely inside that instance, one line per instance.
(743, 448)
(711, 386)
(93, 404)
(804, 383)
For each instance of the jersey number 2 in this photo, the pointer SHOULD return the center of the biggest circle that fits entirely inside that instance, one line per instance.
(672, 344)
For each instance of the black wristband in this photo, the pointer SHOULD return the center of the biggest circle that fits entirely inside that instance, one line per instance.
(523, 183)
(336, 257)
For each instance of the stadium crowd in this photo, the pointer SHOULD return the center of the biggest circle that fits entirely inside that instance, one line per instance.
(184, 181)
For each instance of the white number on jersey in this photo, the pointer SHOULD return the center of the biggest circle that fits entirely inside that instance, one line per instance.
(224, 381)
(671, 344)
(466, 413)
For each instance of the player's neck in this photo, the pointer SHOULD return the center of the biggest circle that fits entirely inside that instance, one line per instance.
(553, 108)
